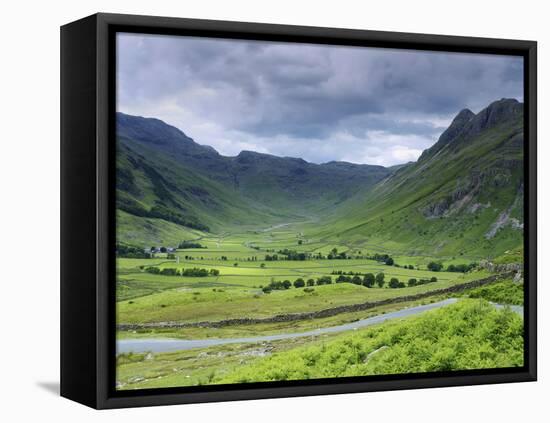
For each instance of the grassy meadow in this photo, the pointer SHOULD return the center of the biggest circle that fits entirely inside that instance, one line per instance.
(237, 291)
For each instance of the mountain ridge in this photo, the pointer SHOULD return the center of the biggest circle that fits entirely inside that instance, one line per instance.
(468, 124)
(265, 178)
(469, 180)
(126, 128)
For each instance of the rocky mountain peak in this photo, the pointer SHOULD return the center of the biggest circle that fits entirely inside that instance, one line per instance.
(466, 125)
(456, 127)
(498, 112)
(158, 133)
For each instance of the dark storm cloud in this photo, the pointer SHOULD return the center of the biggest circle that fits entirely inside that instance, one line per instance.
(317, 102)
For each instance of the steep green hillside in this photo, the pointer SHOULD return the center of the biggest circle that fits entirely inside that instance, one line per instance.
(464, 196)
(297, 185)
(160, 200)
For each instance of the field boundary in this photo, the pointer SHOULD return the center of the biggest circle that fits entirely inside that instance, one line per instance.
(328, 312)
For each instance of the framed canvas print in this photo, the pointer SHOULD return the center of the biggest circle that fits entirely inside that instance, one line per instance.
(255, 211)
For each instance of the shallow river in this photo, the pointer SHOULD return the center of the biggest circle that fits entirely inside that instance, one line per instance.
(158, 345)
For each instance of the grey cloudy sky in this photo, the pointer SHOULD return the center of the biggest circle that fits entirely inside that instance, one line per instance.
(320, 103)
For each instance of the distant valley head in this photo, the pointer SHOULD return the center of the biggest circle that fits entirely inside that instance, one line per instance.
(464, 195)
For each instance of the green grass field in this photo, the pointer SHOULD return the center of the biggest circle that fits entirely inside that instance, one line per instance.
(236, 292)
(187, 304)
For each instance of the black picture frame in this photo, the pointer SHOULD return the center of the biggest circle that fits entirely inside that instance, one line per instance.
(87, 218)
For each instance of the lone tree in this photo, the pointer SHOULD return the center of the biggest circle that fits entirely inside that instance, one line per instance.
(286, 284)
(299, 283)
(394, 283)
(380, 279)
(368, 280)
(310, 282)
(389, 261)
(343, 278)
(434, 266)
(412, 282)
(324, 280)
(333, 254)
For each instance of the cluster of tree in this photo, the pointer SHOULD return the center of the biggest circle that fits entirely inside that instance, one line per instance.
(162, 212)
(293, 255)
(435, 266)
(277, 285)
(357, 280)
(368, 280)
(394, 283)
(416, 282)
(405, 266)
(298, 283)
(190, 244)
(161, 189)
(462, 268)
(335, 255)
(154, 270)
(383, 258)
(128, 251)
(195, 271)
(128, 204)
(159, 211)
(323, 280)
(171, 271)
(341, 272)
(253, 258)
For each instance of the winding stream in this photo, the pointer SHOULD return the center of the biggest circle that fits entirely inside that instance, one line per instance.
(158, 345)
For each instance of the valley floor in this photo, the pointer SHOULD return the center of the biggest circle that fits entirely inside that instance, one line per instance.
(241, 284)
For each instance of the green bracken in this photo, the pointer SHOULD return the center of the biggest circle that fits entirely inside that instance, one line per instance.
(471, 335)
